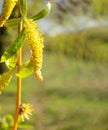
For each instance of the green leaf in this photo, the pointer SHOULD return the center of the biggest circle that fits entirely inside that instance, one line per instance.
(14, 47)
(9, 120)
(45, 11)
(5, 79)
(27, 69)
(23, 8)
(12, 22)
(11, 62)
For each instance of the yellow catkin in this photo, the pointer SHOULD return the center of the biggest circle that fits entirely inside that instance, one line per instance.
(35, 41)
(25, 111)
(7, 10)
(4, 80)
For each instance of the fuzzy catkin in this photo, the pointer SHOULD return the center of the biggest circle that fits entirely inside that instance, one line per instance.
(25, 111)
(4, 80)
(35, 41)
(7, 10)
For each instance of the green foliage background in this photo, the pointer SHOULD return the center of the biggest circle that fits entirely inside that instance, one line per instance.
(90, 44)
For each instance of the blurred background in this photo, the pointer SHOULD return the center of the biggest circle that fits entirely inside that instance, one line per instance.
(74, 93)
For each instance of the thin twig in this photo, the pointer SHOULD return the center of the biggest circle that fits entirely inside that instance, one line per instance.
(19, 82)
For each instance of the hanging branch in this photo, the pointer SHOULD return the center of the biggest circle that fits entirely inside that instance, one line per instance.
(29, 32)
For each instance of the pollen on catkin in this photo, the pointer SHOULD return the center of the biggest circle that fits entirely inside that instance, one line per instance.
(25, 111)
(7, 10)
(4, 80)
(35, 41)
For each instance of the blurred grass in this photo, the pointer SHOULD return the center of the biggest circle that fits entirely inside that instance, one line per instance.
(89, 44)
(73, 95)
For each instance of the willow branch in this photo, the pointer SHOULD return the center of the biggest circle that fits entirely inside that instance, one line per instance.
(19, 82)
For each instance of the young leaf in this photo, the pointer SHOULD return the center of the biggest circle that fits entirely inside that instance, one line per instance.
(23, 8)
(12, 22)
(12, 50)
(5, 79)
(27, 69)
(11, 62)
(42, 13)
